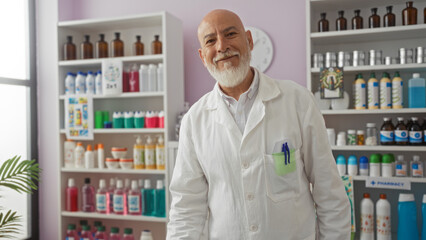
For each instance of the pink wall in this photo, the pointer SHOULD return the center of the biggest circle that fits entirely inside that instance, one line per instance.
(284, 21)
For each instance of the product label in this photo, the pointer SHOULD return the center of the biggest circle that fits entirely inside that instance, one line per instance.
(363, 166)
(118, 203)
(386, 136)
(139, 158)
(415, 136)
(101, 202)
(69, 238)
(134, 204)
(360, 96)
(385, 95)
(373, 94)
(367, 223)
(397, 94)
(417, 170)
(150, 158)
(401, 136)
(401, 170)
(160, 158)
(383, 225)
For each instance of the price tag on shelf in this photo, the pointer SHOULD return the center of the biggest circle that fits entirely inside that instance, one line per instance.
(389, 183)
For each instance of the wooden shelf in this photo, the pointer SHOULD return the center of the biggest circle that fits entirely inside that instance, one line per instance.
(115, 171)
(392, 148)
(113, 217)
(374, 111)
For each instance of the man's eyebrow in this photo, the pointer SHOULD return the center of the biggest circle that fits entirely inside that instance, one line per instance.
(228, 29)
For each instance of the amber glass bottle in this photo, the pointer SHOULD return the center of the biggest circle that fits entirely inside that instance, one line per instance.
(138, 46)
(323, 23)
(101, 47)
(341, 22)
(86, 48)
(374, 19)
(409, 14)
(389, 18)
(156, 46)
(70, 52)
(357, 21)
(424, 14)
(117, 46)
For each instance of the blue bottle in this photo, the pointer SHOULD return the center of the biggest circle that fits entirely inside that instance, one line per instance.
(424, 217)
(341, 165)
(416, 92)
(148, 199)
(160, 200)
(407, 218)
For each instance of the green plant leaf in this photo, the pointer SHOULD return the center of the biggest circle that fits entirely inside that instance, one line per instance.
(9, 224)
(20, 176)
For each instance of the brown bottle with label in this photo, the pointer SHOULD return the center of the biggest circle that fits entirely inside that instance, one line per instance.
(387, 132)
(401, 132)
(341, 22)
(101, 47)
(415, 133)
(138, 46)
(323, 23)
(409, 14)
(156, 46)
(389, 18)
(374, 19)
(424, 14)
(117, 46)
(70, 52)
(357, 21)
(86, 48)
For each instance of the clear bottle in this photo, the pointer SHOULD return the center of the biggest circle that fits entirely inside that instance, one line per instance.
(79, 155)
(341, 21)
(148, 199)
(357, 21)
(102, 198)
(367, 218)
(385, 92)
(128, 234)
(71, 196)
(156, 45)
(143, 78)
(373, 92)
(383, 219)
(160, 200)
(397, 91)
(415, 133)
(114, 234)
(101, 234)
(374, 19)
(409, 14)
(101, 47)
(134, 79)
(87, 197)
(119, 199)
(401, 132)
(71, 233)
(389, 18)
(152, 77)
(387, 132)
(371, 132)
(117, 46)
(134, 199)
(86, 48)
(323, 23)
(138, 46)
(86, 234)
(401, 167)
(70, 52)
(416, 167)
(359, 92)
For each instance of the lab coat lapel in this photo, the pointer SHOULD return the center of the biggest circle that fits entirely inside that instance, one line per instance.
(222, 115)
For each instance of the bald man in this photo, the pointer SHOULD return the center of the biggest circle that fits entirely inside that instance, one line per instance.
(249, 151)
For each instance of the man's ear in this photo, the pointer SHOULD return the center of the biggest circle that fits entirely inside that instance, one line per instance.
(200, 54)
(249, 39)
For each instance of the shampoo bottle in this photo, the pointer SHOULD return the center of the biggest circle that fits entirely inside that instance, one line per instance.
(150, 154)
(383, 218)
(139, 154)
(148, 199)
(160, 154)
(367, 218)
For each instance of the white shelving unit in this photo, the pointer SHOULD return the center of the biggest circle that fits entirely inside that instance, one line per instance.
(389, 40)
(170, 100)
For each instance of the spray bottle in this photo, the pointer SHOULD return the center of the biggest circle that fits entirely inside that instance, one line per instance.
(139, 154)
(160, 154)
(150, 154)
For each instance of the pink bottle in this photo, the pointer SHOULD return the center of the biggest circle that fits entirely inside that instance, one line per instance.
(134, 200)
(80, 228)
(102, 198)
(126, 86)
(128, 233)
(71, 196)
(111, 190)
(101, 234)
(87, 197)
(96, 225)
(119, 199)
(114, 235)
(71, 233)
(134, 79)
(86, 234)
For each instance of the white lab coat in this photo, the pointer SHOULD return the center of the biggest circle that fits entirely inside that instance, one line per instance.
(231, 175)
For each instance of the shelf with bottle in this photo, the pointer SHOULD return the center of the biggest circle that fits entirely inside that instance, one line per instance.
(379, 148)
(124, 130)
(113, 216)
(154, 58)
(410, 179)
(114, 171)
(398, 67)
(124, 95)
(373, 111)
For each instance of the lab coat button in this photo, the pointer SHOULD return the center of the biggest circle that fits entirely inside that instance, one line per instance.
(253, 228)
(250, 196)
(245, 165)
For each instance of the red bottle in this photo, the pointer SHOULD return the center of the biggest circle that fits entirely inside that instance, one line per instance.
(71, 196)
(86, 234)
(101, 234)
(71, 232)
(134, 79)
(126, 87)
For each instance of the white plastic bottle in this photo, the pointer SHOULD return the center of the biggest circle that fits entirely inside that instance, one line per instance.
(160, 155)
(160, 77)
(143, 78)
(397, 91)
(373, 92)
(359, 93)
(146, 235)
(400, 167)
(152, 77)
(383, 219)
(70, 83)
(367, 218)
(416, 167)
(150, 154)
(90, 83)
(98, 83)
(89, 158)
(79, 155)
(69, 147)
(101, 156)
(80, 83)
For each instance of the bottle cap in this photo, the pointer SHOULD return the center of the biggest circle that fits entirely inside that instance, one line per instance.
(351, 131)
(99, 72)
(146, 233)
(143, 66)
(100, 146)
(147, 184)
(400, 119)
(375, 158)
(101, 228)
(128, 231)
(151, 65)
(71, 226)
(382, 196)
(117, 34)
(424, 198)
(134, 185)
(371, 125)
(160, 184)
(89, 73)
(89, 147)
(396, 74)
(71, 182)
(352, 160)
(387, 158)
(400, 157)
(357, 11)
(366, 195)
(119, 183)
(160, 140)
(87, 180)
(79, 144)
(363, 159)
(416, 75)
(372, 75)
(149, 140)
(102, 184)
(385, 75)
(97, 223)
(360, 132)
(86, 227)
(160, 65)
(340, 160)
(386, 119)
(373, 10)
(126, 183)
(83, 222)
(416, 158)
(128, 114)
(406, 197)
(115, 229)
(414, 118)
(323, 14)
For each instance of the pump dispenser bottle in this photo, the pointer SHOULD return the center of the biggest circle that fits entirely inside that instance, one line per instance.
(139, 154)
(160, 154)
(150, 154)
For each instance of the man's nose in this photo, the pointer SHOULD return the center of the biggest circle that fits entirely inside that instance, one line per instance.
(222, 44)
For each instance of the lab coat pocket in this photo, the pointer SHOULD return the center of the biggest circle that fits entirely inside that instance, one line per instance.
(281, 178)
